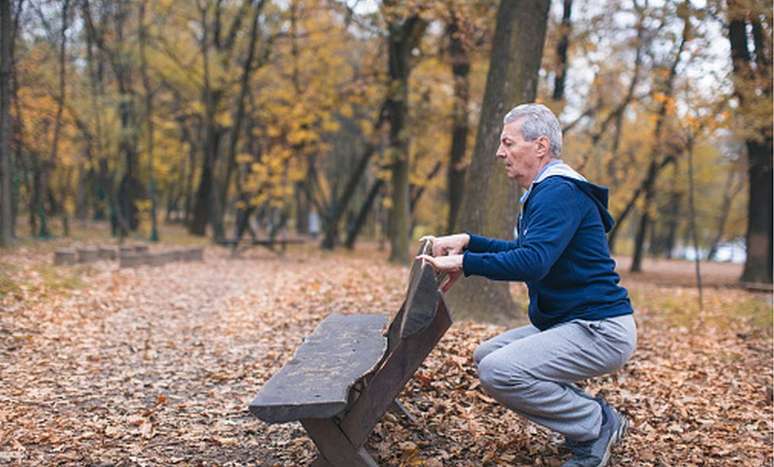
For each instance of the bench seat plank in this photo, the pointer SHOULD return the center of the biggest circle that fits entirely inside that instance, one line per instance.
(315, 383)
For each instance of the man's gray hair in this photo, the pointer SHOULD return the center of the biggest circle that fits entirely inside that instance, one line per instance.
(538, 120)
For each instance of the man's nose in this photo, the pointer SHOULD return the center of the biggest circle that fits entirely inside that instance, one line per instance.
(500, 154)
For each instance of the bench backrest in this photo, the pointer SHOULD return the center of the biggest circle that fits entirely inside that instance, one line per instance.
(422, 295)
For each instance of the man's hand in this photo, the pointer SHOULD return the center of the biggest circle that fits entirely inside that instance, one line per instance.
(448, 244)
(450, 265)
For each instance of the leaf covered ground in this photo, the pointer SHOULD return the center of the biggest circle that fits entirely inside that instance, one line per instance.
(149, 366)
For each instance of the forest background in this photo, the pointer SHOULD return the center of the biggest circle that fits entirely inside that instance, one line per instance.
(359, 119)
(364, 125)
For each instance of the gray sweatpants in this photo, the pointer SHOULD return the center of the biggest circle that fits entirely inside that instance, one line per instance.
(532, 372)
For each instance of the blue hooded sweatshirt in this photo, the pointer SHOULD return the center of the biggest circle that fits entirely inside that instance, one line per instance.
(560, 251)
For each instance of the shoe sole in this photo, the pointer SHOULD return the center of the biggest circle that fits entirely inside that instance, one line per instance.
(619, 434)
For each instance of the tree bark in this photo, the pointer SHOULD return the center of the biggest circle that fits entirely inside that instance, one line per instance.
(61, 96)
(758, 266)
(18, 164)
(490, 202)
(730, 191)
(6, 215)
(209, 205)
(239, 117)
(204, 201)
(673, 221)
(561, 52)
(752, 84)
(362, 213)
(460, 62)
(123, 204)
(404, 36)
(102, 184)
(154, 234)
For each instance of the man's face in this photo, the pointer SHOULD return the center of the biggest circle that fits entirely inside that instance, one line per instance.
(522, 159)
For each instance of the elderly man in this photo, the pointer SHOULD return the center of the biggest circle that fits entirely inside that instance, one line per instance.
(582, 324)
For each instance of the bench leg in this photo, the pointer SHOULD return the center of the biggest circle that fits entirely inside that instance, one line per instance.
(334, 447)
(399, 409)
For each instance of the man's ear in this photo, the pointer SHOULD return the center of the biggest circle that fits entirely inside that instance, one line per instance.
(543, 145)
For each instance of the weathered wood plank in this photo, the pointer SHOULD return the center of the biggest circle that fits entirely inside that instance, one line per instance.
(131, 260)
(65, 257)
(315, 383)
(107, 252)
(422, 295)
(87, 254)
(334, 447)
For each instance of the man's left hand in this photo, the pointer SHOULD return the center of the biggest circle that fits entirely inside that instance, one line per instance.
(451, 265)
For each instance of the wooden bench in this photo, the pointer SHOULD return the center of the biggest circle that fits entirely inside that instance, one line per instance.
(350, 370)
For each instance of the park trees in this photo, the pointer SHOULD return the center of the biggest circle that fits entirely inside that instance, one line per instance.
(6, 215)
(750, 25)
(256, 112)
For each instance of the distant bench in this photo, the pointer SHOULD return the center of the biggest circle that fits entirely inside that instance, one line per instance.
(349, 371)
(268, 243)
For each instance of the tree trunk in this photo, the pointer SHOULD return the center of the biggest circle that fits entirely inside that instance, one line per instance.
(673, 222)
(129, 189)
(205, 194)
(19, 167)
(202, 201)
(123, 204)
(6, 215)
(758, 266)
(460, 70)
(239, 117)
(102, 184)
(49, 165)
(642, 229)
(663, 233)
(490, 202)
(154, 234)
(302, 209)
(81, 203)
(404, 36)
(730, 191)
(188, 189)
(561, 52)
(362, 213)
(752, 85)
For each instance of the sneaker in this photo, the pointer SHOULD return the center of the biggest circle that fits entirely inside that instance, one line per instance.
(596, 453)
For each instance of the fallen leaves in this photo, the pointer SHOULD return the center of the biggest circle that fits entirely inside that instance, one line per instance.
(158, 365)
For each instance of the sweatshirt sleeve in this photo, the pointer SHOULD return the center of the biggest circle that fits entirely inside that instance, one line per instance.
(555, 217)
(481, 244)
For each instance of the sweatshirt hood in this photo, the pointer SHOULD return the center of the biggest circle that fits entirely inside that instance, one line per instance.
(598, 193)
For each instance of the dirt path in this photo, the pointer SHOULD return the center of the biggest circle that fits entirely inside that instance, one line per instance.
(157, 366)
(671, 272)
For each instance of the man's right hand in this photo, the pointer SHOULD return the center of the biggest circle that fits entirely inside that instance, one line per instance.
(448, 244)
